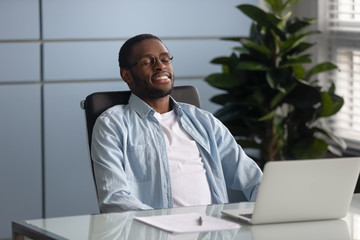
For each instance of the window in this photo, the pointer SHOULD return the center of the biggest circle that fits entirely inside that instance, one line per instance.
(342, 26)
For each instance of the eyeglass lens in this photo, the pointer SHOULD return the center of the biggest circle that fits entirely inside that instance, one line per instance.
(150, 60)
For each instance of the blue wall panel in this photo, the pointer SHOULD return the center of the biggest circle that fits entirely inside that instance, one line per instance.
(81, 60)
(192, 57)
(19, 19)
(69, 187)
(20, 148)
(98, 60)
(123, 18)
(19, 62)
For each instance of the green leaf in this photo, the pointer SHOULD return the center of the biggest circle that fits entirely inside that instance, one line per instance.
(260, 48)
(241, 50)
(327, 105)
(271, 80)
(223, 99)
(221, 60)
(304, 96)
(285, 19)
(227, 116)
(252, 66)
(262, 18)
(291, 43)
(303, 46)
(222, 80)
(339, 141)
(268, 116)
(289, 3)
(272, 2)
(277, 99)
(298, 25)
(234, 39)
(338, 102)
(256, 33)
(274, 78)
(331, 104)
(321, 67)
(230, 112)
(309, 148)
(276, 6)
(225, 69)
(299, 71)
(274, 20)
(277, 31)
(296, 61)
(332, 88)
(255, 13)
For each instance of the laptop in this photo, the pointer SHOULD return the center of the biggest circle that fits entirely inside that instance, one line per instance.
(303, 190)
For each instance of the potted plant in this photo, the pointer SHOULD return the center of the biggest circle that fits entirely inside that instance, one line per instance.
(272, 102)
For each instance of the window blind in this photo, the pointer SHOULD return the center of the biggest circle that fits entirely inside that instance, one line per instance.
(344, 15)
(343, 26)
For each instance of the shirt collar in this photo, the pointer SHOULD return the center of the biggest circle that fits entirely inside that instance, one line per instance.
(143, 109)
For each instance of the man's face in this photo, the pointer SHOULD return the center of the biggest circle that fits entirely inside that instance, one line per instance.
(150, 81)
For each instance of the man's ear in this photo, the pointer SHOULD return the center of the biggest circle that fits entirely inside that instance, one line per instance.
(126, 75)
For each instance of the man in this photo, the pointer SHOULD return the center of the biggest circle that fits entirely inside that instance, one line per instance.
(158, 153)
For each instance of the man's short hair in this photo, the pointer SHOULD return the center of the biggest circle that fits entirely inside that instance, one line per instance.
(126, 49)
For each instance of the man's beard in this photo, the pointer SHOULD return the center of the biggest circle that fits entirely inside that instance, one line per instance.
(143, 90)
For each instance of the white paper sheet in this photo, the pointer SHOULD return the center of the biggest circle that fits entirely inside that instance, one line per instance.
(188, 223)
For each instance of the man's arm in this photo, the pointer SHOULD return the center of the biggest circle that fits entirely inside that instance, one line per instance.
(114, 193)
(240, 171)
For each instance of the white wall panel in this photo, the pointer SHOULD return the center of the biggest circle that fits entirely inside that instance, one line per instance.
(20, 148)
(19, 19)
(69, 186)
(123, 18)
(19, 62)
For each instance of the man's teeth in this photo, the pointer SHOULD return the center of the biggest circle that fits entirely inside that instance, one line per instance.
(163, 77)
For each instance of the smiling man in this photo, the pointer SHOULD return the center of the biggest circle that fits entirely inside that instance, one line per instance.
(155, 152)
(148, 71)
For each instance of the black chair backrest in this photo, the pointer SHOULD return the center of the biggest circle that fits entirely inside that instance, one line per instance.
(97, 103)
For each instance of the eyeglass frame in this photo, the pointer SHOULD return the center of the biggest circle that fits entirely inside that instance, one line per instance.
(154, 62)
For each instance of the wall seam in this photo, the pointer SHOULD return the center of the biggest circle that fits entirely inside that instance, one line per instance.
(42, 117)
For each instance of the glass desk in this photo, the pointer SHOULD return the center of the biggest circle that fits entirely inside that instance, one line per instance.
(122, 226)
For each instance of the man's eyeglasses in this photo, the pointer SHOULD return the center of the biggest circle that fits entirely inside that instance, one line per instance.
(150, 60)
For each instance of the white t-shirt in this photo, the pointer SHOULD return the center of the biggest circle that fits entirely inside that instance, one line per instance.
(187, 173)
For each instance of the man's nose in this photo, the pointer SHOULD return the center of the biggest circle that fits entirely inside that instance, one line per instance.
(159, 65)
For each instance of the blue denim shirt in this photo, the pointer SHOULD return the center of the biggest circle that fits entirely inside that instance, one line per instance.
(131, 165)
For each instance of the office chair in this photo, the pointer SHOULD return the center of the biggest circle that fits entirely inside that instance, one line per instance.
(97, 103)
